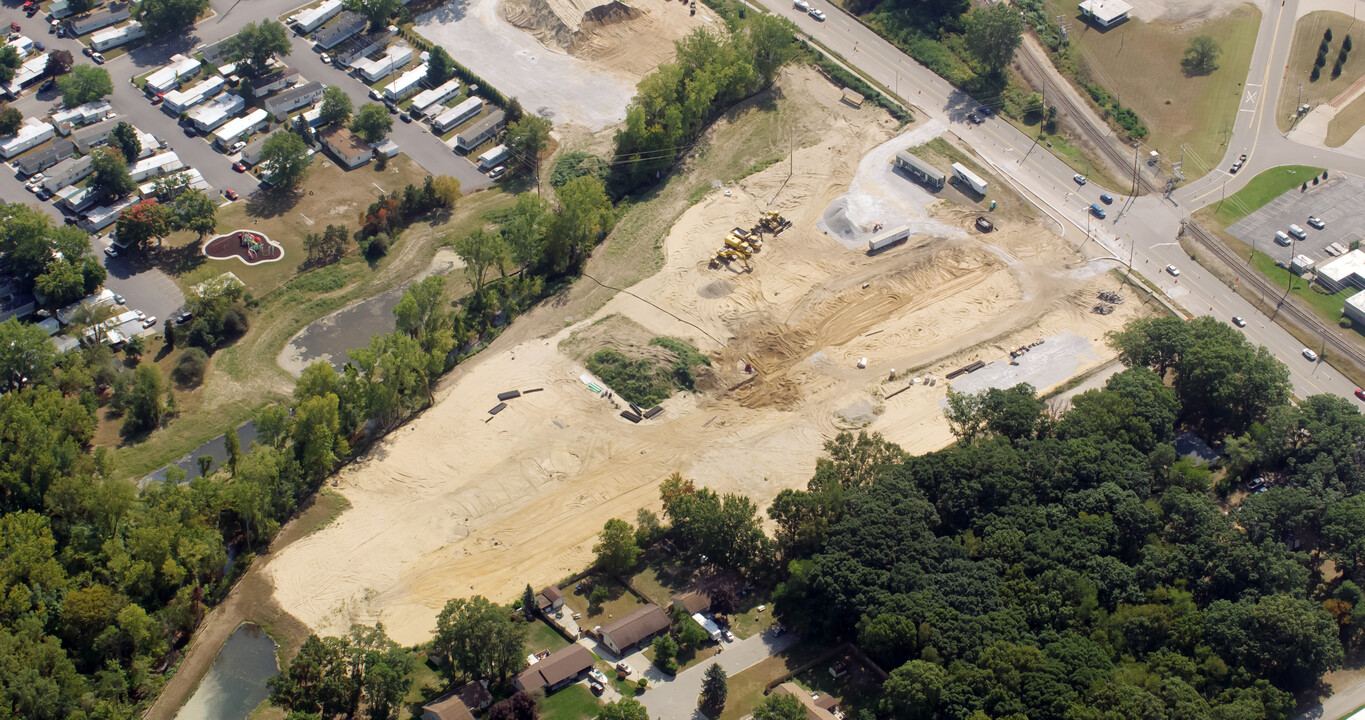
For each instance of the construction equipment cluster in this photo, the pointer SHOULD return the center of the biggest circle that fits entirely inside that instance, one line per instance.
(741, 244)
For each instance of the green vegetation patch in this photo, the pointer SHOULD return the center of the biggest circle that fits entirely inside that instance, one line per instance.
(1263, 188)
(574, 702)
(652, 378)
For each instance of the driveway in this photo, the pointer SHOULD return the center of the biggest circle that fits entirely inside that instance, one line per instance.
(676, 698)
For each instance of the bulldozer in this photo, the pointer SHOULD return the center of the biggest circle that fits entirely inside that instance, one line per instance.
(747, 247)
(773, 222)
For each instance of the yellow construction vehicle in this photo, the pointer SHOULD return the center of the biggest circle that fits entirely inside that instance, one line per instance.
(738, 245)
(726, 255)
(773, 222)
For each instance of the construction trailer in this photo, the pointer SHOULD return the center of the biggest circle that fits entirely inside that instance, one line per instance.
(924, 173)
(888, 239)
(969, 178)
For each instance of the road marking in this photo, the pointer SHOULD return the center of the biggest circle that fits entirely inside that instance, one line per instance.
(1250, 96)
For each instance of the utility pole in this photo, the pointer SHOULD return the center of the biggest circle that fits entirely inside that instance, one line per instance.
(1136, 147)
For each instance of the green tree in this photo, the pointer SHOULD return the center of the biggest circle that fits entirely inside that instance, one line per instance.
(59, 62)
(9, 62)
(377, 12)
(110, 176)
(328, 247)
(62, 284)
(284, 157)
(233, 444)
(255, 45)
(26, 355)
(624, 709)
(526, 140)
(528, 600)
(714, 688)
(616, 549)
(479, 639)
(144, 408)
(482, 250)
(10, 121)
(524, 229)
(195, 211)
(994, 33)
(780, 706)
(163, 17)
(124, 138)
(318, 442)
(28, 238)
(336, 106)
(915, 691)
(421, 313)
(1343, 530)
(205, 464)
(372, 122)
(440, 67)
(1201, 57)
(691, 635)
(584, 217)
(143, 222)
(316, 681)
(665, 650)
(85, 83)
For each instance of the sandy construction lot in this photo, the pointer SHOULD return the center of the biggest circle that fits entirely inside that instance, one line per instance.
(455, 504)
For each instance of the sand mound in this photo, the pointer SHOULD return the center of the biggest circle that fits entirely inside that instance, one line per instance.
(559, 22)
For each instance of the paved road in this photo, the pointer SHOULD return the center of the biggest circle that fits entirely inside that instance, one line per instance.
(1143, 229)
(676, 698)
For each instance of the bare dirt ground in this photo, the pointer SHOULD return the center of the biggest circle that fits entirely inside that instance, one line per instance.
(581, 73)
(459, 502)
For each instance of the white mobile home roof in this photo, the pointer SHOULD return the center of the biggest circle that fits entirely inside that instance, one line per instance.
(210, 115)
(84, 114)
(32, 133)
(309, 20)
(113, 37)
(193, 179)
(168, 78)
(392, 59)
(155, 165)
(31, 70)
(427, 98)
(242, 124)
(406, 83)
(182, 100)
(21, 44)
(458, 114)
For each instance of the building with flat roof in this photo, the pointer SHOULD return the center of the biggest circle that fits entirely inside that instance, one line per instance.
(406, 84)
(481, 131)
(210, 115)
(1355, 309)
(1343, 272)
(178, 101)
(279, 106)
(346, 26)
(312, 19)
(32, 133)
(1105, 13)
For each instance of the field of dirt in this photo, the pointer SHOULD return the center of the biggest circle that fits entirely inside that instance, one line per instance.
(1177, 11)
(460, 502)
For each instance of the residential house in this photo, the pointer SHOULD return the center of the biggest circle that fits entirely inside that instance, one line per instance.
(692, 601)
(361, 46)
(58, 151)
(32, 133)
(560, 668)
(456, 116)
(460, 703)
(346, 26)
(168, 78)
(481, 132)
(67, 172)
(34, 68)
(428, 102)
(114, 37)
(279, 106)
(241, 128)
(406, 84)
(92, 136)
(349, 150)
(179, 101)
(310, 20)
(278, 80)
(210, 115)
(820, 707)
(101, 18)
(634, 629)
(394, 57)
(549, 600)
(90, 112)
(155, 165)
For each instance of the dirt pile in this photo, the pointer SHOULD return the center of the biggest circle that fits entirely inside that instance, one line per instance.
(559, 22)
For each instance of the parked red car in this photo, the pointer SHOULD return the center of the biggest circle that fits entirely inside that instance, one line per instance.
(231, 194)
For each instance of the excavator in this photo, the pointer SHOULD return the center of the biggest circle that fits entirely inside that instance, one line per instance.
(727, 255)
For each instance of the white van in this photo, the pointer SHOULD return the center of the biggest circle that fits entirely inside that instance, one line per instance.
(1298, 232)
(1281, 238)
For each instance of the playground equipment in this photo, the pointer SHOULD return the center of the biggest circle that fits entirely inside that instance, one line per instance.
(255, 245)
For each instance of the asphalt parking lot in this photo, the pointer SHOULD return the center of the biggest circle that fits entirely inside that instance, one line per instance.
(146, 289)
(1340, 203)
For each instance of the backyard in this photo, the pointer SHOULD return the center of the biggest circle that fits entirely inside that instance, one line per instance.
(1299, 87)
(542, 637)
(619, 603)
(1196, 110)
(575, 702)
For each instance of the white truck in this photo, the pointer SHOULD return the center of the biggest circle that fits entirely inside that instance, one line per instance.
(887, 239)
(969, 178)
(712, 630)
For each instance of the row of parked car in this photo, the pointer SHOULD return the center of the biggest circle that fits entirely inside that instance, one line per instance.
(1282, 237)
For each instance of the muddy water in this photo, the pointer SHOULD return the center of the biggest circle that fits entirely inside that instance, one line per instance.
(235, 685)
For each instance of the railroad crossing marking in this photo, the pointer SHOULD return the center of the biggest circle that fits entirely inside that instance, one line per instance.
(1250, 97)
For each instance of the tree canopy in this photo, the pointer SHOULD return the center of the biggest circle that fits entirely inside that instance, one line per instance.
(85, 83)
(285, 160)
(256, 44)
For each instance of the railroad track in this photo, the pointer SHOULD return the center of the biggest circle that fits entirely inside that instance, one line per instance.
(1249, 276)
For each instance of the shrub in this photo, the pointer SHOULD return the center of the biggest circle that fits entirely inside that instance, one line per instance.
(1346, 43)
(1315, 74)
(190, 367)
(1345, 323)
(235, 322)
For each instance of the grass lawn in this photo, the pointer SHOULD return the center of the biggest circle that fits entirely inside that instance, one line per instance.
(1263, 188)
(425, 684)
(752, 620)
(1299, 87)
(1346, 123)
(543, 637)
(575, 702)
(331, 195)
(1326, 306)
(1176, 109)
(659, 582)
(620, 602)
(746, 687)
